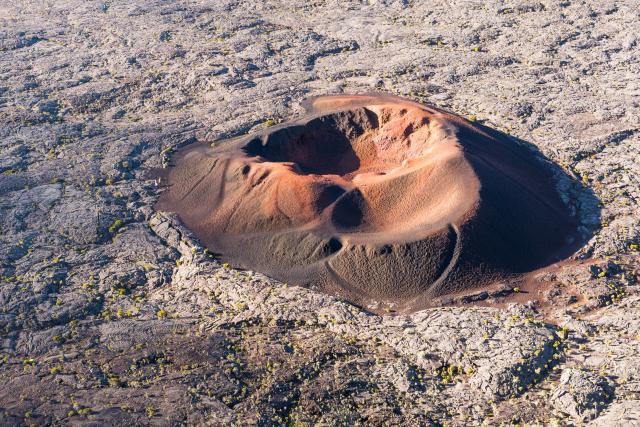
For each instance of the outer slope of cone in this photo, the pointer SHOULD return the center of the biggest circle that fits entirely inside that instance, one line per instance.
(373, 198)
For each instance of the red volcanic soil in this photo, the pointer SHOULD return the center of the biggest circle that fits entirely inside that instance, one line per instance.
(373, 198)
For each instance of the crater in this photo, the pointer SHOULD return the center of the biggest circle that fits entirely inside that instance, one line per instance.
(376, 199)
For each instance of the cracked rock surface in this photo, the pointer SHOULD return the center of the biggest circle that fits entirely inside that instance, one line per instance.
(113, 313)
(581, 395)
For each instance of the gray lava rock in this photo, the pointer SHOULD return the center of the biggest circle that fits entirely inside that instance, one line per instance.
(94, 95)
(581, 394)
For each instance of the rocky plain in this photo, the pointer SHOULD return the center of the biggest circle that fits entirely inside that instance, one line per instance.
(112, 313)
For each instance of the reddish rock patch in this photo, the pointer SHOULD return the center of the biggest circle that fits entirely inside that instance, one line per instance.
(374, 199)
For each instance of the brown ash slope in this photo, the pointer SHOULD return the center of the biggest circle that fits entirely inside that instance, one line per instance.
(374, 198)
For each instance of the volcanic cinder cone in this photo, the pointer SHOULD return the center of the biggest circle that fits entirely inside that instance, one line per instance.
(373, 198)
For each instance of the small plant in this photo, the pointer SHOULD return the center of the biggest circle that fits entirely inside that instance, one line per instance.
(115, 226)
(114, 380)
(239, 306)
(449, 373)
